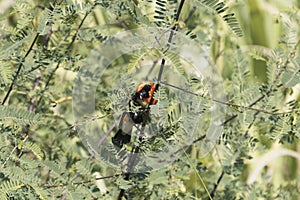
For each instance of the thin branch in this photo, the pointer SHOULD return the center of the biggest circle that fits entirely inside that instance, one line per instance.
(151, 69)
(47, 84)
(199, 139)
(291, 55)
(12, 151)
(213, 192)
(251, 124)
(79, 27)
(227, 103)
(250, 108)
(194, 141)
(287, 61)
(15, 77)
(10, 154)
(69, 47)
(107, 133)
(174, 28)
(190, 15)
(229, 120)
(59, 118)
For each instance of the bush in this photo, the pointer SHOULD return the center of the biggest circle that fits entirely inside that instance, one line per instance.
(230, 131)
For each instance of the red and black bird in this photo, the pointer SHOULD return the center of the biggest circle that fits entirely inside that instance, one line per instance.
(139, 110)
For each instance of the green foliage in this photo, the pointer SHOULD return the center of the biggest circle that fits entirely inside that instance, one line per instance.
(19, 116)
(8, 186)
(220, 7)
(45, 44)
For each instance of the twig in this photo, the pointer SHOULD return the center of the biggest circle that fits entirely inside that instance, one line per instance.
(251, 124)
(199, 139)
(12, 151)
(213, 192)
(229, 120)
(151, 69)
(15, 77)
(107, 133)
(227, 103)
(291, 55)
(79, 27)
(174, 28)
(190, 15)
(287, 61)
(69, 47)
(47, 84)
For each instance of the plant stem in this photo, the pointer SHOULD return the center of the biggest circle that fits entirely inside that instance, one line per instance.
(174, 28)
(15, 77)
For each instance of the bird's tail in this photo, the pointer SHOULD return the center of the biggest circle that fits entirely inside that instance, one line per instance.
(121, 138)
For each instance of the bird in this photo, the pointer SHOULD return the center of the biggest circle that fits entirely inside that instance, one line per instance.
(139, 111)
